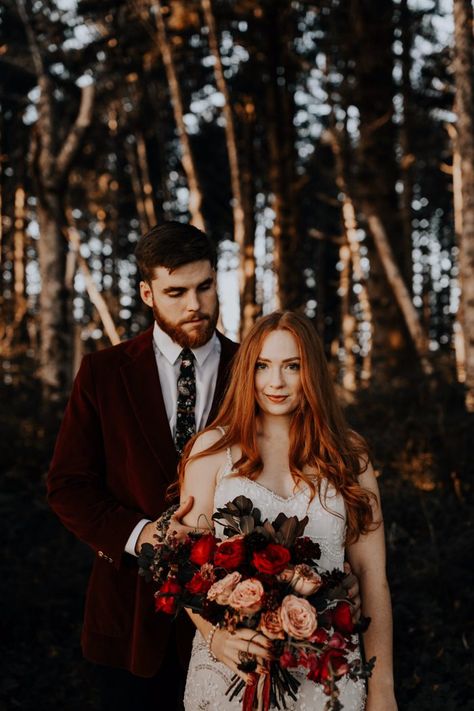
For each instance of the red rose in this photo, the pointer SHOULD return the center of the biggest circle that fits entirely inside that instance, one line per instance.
(337, 641)
(198, 585)
(165, 600)
(320, 636)
(341, 618)
(312, 664)
(230, 553)
(203, 549)
(333, 664)
(271, 560)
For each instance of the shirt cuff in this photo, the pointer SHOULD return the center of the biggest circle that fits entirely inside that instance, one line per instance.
(133, 538)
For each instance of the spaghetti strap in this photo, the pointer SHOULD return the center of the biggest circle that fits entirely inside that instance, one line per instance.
(229, 463)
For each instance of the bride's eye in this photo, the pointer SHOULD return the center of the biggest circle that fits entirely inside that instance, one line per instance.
(260, 366)
(293, 366)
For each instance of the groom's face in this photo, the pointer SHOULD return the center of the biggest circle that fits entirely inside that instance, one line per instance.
(184, 302)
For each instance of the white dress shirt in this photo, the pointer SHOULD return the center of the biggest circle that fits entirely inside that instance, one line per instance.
(168, 362)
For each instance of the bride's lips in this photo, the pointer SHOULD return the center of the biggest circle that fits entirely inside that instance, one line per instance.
(276, 398)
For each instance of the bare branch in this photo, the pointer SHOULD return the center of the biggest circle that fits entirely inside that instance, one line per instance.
(94, 294)
(73, 139)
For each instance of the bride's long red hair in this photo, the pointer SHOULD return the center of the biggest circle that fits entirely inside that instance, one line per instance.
(320, 440)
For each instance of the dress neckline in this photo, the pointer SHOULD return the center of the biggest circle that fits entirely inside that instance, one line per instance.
(272, 493)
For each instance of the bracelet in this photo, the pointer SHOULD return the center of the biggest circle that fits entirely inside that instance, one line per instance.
(209, 640)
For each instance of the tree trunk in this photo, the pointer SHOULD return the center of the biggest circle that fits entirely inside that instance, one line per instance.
(464, 77)
(241, 225)
(406, 132)
(281, 146)
(348, 322)
(19, 249)
(350, 229)
(458, 333)
(377, 172)
(195, 193)
(55, 324)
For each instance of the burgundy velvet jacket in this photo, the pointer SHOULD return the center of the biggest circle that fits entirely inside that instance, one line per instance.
(113, 461)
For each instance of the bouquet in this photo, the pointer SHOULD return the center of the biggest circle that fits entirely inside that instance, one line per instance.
(263, 575)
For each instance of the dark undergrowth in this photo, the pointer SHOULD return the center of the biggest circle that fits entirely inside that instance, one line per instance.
(422, 444)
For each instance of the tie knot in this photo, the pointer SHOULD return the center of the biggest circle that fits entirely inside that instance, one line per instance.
(187, 357)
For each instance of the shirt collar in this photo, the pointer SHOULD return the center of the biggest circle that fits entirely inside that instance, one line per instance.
(171, 350)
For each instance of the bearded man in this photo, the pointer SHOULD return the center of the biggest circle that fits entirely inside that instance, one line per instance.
(132, 409)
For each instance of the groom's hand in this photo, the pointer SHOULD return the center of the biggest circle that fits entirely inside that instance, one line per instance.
(351, 586)
(176, 528)
(148, 534)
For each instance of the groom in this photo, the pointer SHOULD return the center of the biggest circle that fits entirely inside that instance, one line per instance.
(117, 453)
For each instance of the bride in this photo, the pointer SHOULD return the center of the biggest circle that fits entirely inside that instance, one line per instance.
(281, 440)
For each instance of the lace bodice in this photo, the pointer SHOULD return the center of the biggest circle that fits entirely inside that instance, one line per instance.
(326, 525)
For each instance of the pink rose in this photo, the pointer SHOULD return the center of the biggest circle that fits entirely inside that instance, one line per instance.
(305, 581)
(247, 596)
(270, 624)
(221, 590)
(298, 617)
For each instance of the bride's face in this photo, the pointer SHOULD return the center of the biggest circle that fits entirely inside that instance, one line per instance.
(277, 374)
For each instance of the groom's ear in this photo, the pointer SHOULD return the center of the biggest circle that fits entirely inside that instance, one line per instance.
(146, 293)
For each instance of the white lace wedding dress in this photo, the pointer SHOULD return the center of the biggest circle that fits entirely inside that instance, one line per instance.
(207, 681)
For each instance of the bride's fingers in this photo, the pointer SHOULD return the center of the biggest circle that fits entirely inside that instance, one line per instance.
(228, 661)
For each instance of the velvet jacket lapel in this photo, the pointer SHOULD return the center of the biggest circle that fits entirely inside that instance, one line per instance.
(143, 387)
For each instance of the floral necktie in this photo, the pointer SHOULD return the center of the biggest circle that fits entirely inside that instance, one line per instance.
(185, 411)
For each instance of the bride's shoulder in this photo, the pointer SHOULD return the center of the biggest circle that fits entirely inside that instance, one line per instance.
(207, 439)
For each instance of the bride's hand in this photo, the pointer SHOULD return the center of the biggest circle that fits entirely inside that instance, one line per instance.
(231, 649)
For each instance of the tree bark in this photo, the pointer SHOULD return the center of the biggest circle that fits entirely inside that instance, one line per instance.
(464, 77)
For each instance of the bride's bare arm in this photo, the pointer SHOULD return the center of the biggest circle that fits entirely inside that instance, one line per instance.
(367, 558)
(200, 480)
(200, 483)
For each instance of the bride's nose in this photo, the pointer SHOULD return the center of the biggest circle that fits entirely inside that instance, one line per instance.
(276, 378)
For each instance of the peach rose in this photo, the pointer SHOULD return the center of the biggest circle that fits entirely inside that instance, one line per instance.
(247, 596)
(221, 590)
(305, 580)
(270, 625)
(298, 617)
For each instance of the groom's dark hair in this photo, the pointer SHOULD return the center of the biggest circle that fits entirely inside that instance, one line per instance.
(171, 245)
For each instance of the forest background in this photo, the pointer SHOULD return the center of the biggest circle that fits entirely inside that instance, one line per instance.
(328, 149)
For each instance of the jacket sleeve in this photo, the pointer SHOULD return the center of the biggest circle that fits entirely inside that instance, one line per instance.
(76, 482)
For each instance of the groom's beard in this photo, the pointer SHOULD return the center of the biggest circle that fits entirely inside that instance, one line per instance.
(198, 336)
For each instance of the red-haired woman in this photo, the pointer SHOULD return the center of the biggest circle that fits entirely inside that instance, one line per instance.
(281, 440)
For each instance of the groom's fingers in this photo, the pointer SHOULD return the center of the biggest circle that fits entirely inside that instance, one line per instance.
(184, 508)
(176, 528)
